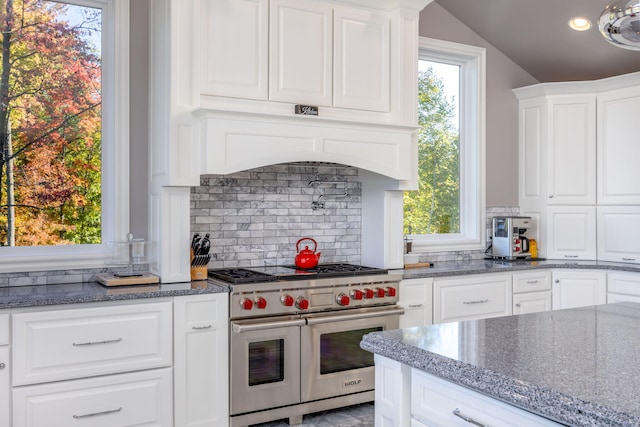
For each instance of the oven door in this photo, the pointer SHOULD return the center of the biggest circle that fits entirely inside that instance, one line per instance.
(333, 364)
(265, 363)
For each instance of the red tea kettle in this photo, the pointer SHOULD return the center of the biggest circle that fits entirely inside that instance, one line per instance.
(307, 258)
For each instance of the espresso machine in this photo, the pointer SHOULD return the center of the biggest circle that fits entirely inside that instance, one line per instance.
(509, 240)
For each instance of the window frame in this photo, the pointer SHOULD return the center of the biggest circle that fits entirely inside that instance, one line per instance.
(472, 62)
(115, 155)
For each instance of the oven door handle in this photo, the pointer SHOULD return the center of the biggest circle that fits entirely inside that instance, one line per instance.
(356, 316)
(238, 328)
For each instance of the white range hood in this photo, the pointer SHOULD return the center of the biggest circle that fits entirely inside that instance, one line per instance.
(237, 77)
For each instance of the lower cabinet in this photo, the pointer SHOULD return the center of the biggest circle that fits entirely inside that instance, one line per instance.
(623, 287)
(531, 292)
(416, 297)
(134, 399)
(476, 296)
(5, 387)
(201, 359)
(578, 288)
(439, 403)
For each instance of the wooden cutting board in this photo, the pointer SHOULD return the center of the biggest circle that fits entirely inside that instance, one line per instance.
(111, 280)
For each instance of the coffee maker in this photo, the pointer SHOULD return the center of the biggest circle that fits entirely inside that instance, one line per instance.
(509, 240)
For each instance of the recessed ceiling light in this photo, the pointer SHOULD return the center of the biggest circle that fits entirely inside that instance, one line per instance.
(579, 23)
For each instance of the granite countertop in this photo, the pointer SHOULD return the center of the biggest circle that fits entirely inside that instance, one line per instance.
(76, 293)
(452, 268)
(578, 366)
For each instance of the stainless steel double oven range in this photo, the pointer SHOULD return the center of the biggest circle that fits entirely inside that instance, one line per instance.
(295, 337)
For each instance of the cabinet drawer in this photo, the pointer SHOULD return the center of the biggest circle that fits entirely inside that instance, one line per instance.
(433, 402)
(74, 343)
(415, 291)
(531, 282)
(135, 399)
(624, 283)
(4, 329)
(474, 298)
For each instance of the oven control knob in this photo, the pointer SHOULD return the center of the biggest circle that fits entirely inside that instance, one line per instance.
(302, 303)
(261, 302)
(246, 303)
(287, 300)
(357, 294)
(343, 299)
(368, 293)
(391, 292)
(380, 293)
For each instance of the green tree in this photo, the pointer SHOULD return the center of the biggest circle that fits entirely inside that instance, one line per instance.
(435, 207)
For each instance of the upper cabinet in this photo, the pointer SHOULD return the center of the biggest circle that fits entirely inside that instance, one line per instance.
(578, 152)
(618, 148)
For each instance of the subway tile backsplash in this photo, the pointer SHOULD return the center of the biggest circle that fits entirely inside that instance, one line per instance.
(255, 217)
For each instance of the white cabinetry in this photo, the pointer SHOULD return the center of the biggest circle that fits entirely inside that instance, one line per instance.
(571, 232)
(622, 286)
(617, 228)
(476, 296)
(416, 297)
(531, 292)
(439, 403)
(5, 384)
(577, 152)
(201, 360)
(577, 288)
(132, 399)
(571, 150)
(80, 342)
(618, 150)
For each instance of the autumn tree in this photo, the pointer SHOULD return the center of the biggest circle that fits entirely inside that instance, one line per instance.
(435, 206)
(50, 127)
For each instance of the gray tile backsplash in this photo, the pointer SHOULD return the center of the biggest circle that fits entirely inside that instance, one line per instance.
(255, 217)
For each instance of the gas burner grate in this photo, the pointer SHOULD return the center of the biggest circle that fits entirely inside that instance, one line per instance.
(241, 275)
(342, 269)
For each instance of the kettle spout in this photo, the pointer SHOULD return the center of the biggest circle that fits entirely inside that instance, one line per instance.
(318, 256)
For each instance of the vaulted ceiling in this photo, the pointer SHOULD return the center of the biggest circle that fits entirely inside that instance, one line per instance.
(535, 35)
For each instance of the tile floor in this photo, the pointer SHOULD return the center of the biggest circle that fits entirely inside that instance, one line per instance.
(352, 416)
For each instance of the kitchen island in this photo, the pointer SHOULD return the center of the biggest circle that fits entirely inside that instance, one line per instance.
(577, 367)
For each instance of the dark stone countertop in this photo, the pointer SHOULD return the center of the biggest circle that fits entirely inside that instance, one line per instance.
(577, 366)
(498, 266)
(76, 293)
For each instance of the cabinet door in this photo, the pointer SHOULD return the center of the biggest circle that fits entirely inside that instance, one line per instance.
(532, 142)
(475, 297)
(576, 288)
(571, 232)
(417, 301)
(361, 54)
(531, 302)
(201, 361)
(618, 148)
(5, 388)
(572, 150)
(234, 60)
(623, 287)
(618, 228)
(4, 329)
(301, 52)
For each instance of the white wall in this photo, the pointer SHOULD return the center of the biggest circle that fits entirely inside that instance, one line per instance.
(503, 75)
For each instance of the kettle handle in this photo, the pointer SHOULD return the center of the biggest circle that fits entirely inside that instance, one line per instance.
(315, 244)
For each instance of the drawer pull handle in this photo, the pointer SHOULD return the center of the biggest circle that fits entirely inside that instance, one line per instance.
(95, 414)
(628, 259)
(414, 305)
(80, 344)
(199, 328)
(571, 256)
(2, 366)
(478, 301)
(531, 282)
(468, 419)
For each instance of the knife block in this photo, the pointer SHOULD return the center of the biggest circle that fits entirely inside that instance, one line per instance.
(197, 273)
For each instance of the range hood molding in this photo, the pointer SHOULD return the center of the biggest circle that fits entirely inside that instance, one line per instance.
(233, 142)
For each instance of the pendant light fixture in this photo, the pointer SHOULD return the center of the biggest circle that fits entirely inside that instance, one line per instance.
(619, 23)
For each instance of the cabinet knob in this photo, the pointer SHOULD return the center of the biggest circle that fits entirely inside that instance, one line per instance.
(557, 280)
(2, 366)
(551, 196)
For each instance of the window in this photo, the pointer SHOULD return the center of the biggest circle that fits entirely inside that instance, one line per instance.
(447, 211)
(63, 132)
